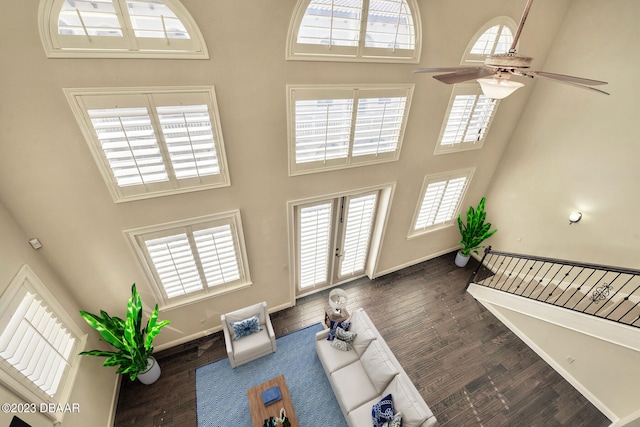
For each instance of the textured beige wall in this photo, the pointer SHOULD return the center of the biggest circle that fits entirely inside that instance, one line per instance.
(95, 385)
(577, 150)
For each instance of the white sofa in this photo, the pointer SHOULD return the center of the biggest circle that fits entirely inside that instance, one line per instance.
(362, 376)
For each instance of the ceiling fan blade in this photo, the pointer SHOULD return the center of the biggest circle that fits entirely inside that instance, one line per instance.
(565, 78)
(440, 69)
(465, 75)
(571, 82)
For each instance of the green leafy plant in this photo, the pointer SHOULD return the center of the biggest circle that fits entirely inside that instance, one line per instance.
(134, 343)
(475, 231)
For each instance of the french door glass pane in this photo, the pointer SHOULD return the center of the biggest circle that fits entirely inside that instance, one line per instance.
(314, 240)
(360, 213)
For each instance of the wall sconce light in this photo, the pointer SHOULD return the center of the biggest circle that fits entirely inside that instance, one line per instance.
(575, 217)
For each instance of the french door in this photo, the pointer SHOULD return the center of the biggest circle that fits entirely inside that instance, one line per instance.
(332, 240)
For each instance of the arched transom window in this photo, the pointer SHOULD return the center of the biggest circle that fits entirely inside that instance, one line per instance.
(355, 30)
(119, 28)
(495, 37)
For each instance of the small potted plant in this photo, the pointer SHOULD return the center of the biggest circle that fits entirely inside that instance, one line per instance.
(473, 233)
(132, 342)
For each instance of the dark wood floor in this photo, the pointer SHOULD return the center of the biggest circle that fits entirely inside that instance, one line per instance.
(469, 367)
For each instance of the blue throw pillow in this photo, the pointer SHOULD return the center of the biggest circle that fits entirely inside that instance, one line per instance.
(246, 327)
(382, 411)
(334, 325)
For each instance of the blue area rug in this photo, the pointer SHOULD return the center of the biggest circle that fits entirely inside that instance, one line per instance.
(221, 391)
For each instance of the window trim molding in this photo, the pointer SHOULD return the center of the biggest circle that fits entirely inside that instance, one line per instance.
(294, 26)
(135, 236)
(74, 97)
(15, 382)
(48, 33)
(349, 161)
(428, 179)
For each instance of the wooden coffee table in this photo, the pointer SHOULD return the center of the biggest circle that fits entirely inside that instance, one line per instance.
(259, 412)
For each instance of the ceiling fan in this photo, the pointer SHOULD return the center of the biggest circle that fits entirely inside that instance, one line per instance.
(500, 68)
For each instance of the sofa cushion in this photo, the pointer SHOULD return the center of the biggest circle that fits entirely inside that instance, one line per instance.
(246, 327)
(334, 325)
(395, 422)
(362, 340)
(339, 344)
(333, 359)
(408, 401)
(379, 368)
(382, 411)
(347, 336)
(352, 386)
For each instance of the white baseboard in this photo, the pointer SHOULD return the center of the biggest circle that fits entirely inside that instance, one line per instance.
(417, 261)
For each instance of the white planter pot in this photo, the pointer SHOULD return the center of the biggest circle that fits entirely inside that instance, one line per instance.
(462, 260)
(152, 373)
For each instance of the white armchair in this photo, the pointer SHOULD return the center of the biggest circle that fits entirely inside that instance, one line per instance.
(243, 349)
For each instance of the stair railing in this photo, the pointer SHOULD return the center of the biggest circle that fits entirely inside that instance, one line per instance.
(608, 292)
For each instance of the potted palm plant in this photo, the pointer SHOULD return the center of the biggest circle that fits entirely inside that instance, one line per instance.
(473, 233)
(132, 342)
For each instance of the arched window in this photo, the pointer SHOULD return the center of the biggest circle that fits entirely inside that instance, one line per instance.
(119, 29)
(355, 30)
(495, 37)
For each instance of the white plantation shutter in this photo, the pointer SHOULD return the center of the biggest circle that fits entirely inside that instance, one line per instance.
(217, 253)
(333, 127)
(378, 125)
(130, 146)
(36, 343)
(336, 29)
(175, 264)
(153, 19)
(89, 18)
(468, 119)
(152, 141)
(442, 196)
(193, 258)
(190, 140)
(430, 203)
(314, 239)
(323, 129)
(359, 221)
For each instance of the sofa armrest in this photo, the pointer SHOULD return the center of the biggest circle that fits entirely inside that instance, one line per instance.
(322, 335)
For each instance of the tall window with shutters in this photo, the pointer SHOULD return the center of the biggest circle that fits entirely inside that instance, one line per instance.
(151, 142)
(194, 259)
(355, 30)
(334, 127)
(442, 195)
(119, 29)
(39, 343)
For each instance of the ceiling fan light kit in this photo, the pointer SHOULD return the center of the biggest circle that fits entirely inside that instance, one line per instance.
(503, 66)
(497, 88)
